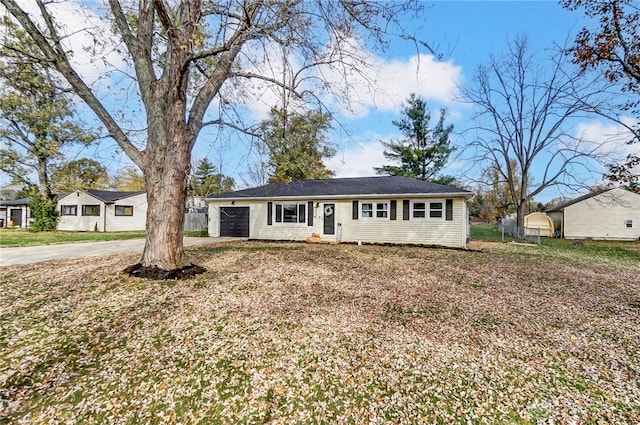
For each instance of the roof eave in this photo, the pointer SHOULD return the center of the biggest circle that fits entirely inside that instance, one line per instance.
(467, 195)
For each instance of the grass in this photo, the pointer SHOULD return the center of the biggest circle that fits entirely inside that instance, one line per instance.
(597, 249)
(311, 334)
(25, 237)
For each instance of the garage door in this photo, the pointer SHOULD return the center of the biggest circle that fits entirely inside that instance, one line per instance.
(234, 221)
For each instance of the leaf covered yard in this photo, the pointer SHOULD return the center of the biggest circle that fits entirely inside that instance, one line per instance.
(293, 333)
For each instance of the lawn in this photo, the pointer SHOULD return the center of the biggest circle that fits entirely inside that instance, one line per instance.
(295, 333)
(25, 237)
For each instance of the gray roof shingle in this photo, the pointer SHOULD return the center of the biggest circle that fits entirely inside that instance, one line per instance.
(357, 186)
(576, 200)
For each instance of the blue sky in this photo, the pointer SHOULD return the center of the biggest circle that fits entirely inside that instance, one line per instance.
(465, 34)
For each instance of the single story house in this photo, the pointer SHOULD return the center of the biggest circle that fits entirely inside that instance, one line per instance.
(608, 214)
(102, 210)
(15, 213)
(369, 209)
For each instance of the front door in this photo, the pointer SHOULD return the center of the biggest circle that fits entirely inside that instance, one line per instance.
(16, 217)
(329, 227)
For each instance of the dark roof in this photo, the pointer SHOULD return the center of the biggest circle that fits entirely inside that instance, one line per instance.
(576, 200)
(16, 202)
(357, 186)
(106, 196)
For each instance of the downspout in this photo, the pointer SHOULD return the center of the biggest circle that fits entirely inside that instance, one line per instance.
(467, 221)
(104, 220)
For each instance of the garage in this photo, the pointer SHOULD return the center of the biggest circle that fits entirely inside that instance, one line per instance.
(234, 221)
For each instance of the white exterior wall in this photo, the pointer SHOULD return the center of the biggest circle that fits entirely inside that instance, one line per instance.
(451, 233)
(122, 223)
(107, 218)
(603, 216)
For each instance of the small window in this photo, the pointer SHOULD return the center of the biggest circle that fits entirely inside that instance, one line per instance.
(124, 210)
(436, 210)
(419, 210)
(91, 210)
(291, 213)
(367, 210)
(628, 224)
(382, 209)
(375, 210)
(68, 210)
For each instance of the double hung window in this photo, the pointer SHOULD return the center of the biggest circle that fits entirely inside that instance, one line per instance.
(427, 210)
(379, 210)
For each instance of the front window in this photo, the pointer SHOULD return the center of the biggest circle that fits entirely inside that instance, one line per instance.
(436, 209)
(419, 210)
(124, 210)
(427, 210)
(68, 210)
(374, 210)
(91, 210)
(367, 210)
(290, 213)
(382, 210)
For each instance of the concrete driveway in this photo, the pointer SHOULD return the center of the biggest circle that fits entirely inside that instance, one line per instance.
(35, 254)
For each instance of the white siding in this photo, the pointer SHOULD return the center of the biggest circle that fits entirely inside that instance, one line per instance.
(121, 223)
(429, 232)
(107, 217)
(603, 216)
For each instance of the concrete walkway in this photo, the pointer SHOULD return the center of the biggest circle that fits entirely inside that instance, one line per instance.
(35, 254)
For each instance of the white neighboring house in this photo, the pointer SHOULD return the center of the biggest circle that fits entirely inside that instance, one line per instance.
(609, 214)
(15, 213)
(396, 210)
(102, 210)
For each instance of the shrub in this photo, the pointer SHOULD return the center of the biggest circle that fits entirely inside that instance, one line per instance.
(45, 214)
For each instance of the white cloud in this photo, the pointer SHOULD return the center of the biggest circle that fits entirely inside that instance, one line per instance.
(84, 33)
(358, 159)
(355, 89)
(611, 136)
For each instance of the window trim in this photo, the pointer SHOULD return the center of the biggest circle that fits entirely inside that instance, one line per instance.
(115, 207)
(301, 214)
(374, 209)
(73, 208)
(428, 210)
(84, 210)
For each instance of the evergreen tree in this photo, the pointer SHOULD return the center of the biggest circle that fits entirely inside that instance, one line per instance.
(423, 151)
(297, 144)
(207, 181)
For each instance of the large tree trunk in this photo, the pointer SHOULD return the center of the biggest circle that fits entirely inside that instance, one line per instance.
(166, 178)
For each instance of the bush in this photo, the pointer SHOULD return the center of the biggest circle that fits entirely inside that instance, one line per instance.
(45, 215)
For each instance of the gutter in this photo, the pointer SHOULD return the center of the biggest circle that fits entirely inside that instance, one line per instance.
(468, 195)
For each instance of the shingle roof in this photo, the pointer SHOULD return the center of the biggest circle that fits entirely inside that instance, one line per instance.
(109, 196)
(357, 186)
(576, 200)
(106, 196)
(16, 202)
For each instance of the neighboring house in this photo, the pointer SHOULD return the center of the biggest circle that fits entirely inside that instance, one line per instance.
(609, 214)
(371, 210)
(102, 210)
(15, 213)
